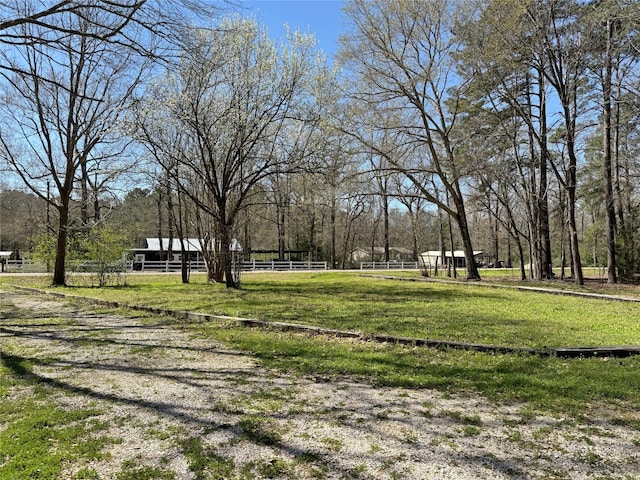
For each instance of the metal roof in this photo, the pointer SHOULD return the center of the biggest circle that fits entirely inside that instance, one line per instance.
(190, 244)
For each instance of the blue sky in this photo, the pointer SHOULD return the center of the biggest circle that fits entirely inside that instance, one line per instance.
(320, 17)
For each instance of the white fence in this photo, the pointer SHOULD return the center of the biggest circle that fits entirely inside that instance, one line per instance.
(251, 266)
(389, 266)
(166, 266)
(255, 265)
(24, 266)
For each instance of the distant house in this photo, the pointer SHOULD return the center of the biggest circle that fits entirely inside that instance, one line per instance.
(360, 255)
(432, 258)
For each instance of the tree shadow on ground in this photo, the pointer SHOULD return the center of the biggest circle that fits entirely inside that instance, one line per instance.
(59, 369)
(78, 363)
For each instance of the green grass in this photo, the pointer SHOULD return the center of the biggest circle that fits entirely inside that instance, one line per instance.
(433, 310)
(37, 437)
(349, 301)
(547, 384)
(204, 462)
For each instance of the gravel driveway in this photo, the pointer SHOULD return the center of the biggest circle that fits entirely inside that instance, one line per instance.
(161, 387)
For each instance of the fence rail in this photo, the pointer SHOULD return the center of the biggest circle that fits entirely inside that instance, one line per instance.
(22, 266)
(389, 266)
(256, 265)
(250, 266)
(173, 266)
(163, 266)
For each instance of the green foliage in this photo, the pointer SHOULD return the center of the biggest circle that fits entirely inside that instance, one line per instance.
(104, 245)
(44, 248)
(595, 245)
(100, 252)
(137, 215)
(23, 218)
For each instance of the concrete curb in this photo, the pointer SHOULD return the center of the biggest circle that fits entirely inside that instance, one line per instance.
(563, 352)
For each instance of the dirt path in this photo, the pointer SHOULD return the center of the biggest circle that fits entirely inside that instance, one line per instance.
(161, 388)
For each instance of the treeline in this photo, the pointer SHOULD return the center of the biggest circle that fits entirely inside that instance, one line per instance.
(506, 126)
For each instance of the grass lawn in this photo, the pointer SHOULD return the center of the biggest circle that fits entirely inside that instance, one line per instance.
(551, 385)
(42, 437)
(350, 301)
(464, 312)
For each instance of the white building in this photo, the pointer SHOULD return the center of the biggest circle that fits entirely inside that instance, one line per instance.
(432, 258)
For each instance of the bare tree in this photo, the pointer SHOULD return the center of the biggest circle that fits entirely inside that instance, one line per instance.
(240, 101)
(414, 204)
(402, 53)
(130, 24)
(64, 102)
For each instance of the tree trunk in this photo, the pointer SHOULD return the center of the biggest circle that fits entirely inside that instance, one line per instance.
(620, 203)
(159, 234)
(180, 221)
(414, 233)
(523, 273)
(332, 226)
(610, 212)
(544, 234)
(224, 256)
(281, 232)
(84, 195)
(170, 223)
(472, 268)
(97, 215)
(494, 233)
(452, 265)
(534, 204)
(312, 237)
(184, 263)
(228, 267)
(576, 263)
(385, 212)
(59, 273)
(443, 250)
(345, 246)
(465, 234)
